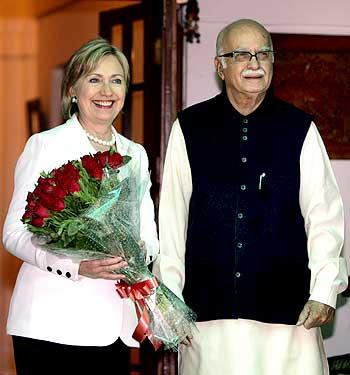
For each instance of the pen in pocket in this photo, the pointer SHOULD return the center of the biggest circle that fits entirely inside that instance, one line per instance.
(261, 180)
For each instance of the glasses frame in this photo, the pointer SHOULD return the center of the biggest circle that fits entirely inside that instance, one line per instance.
(232, 54)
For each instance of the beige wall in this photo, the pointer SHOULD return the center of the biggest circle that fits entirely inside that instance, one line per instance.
(18, 77)
(60, 34)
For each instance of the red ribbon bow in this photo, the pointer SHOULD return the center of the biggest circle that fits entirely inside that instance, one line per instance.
(138, 293)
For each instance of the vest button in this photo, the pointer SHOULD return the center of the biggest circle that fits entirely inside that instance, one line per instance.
(245, 138)
(243, 187)
(239, 245)
(238, 274)
(240, 216)
(245, 130)
(245, 121)
(244, 160)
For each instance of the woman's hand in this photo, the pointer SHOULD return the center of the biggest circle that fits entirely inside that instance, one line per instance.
(102, 268)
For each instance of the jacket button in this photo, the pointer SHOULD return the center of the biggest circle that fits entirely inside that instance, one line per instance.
(49, 268)
(59, 272)
(239, 245)
(68, 275)
(238, 274)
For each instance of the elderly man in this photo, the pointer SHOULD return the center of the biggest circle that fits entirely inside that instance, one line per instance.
(251, 222)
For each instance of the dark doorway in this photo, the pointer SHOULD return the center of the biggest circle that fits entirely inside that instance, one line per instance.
(137, 31)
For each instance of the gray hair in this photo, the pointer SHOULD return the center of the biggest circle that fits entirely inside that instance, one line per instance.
(239, 25)
(84, 61)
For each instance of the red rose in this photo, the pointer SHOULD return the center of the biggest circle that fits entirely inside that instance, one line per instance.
(70, 170)
(27, 215)
(52, 202)
(47, 188)
(66, 179)
(31, 201)
(97, 172)
(102, 158)
(92, 166)
(41, 211)
(45, 185)
(59, 192)
(72, 186)
(89, 162)
(58, 205)
(45, 180)
(38, 222)
(115, 160)
(30, 197)
(46, 200)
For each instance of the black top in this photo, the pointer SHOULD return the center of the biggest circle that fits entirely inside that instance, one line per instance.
(246, 251)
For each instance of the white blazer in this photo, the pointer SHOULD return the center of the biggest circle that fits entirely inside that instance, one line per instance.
(50, 300)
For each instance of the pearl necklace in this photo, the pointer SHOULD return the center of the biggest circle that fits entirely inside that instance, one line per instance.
(100, 141)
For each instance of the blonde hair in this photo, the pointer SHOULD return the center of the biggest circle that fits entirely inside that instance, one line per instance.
(84, 61)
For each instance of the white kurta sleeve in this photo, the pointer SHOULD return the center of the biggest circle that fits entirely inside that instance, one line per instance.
(148, 228)
(322, 208)
(173, 213)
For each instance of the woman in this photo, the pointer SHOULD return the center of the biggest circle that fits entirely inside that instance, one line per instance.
(65, 316)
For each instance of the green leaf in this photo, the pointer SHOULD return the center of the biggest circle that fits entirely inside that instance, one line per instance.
(126, 159)
(73, 228)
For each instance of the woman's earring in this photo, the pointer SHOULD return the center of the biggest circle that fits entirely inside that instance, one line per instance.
(73, 103)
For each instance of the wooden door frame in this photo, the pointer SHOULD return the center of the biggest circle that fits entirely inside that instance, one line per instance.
(172, 102)
(172, 71)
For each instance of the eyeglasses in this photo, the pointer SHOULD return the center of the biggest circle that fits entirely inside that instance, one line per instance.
(246, 56)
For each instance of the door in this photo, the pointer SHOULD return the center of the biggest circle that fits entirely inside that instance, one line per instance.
(137, 31)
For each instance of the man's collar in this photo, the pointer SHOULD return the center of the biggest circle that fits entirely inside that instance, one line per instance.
(227, 108)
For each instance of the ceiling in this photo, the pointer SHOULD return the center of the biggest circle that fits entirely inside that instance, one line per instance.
(41, 8)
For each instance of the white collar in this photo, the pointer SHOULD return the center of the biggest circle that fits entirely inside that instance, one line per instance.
(74, 122)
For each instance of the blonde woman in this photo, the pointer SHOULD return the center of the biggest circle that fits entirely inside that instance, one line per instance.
(65, 316)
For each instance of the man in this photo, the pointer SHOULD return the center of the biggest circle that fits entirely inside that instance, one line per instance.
(251, 222)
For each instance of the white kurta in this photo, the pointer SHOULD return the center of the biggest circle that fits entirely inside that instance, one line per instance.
(245, 347)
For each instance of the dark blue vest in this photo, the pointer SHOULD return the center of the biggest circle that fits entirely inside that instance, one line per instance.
(246, 254)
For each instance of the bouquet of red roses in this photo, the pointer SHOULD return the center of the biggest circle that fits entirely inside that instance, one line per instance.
(90, 209)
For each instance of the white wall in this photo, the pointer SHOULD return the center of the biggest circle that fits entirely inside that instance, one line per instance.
(322, 17)
(338, 342)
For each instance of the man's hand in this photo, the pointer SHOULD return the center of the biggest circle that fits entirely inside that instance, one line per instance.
(102, 268)
(187, 340)
(315, 314)
(143, 248)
